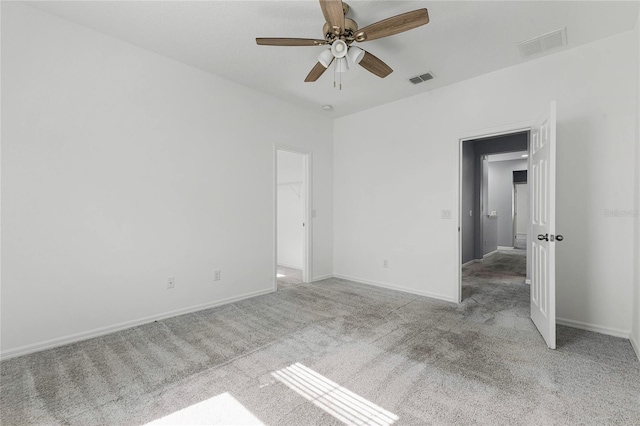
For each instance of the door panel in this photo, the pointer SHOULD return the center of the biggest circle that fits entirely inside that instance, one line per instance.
(542, 193)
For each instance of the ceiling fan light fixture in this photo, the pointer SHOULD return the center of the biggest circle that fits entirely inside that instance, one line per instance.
(355, 54)
(342, 65)
(339, 49)
(325, 58)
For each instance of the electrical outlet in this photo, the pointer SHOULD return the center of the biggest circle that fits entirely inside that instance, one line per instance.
(171, 282)
(216, 275)
(385, 263)
(445, 214)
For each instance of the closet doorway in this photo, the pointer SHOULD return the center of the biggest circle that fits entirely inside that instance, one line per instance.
(291, 213)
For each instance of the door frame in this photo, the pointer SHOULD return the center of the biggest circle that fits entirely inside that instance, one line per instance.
(307, 234)
(460, 139)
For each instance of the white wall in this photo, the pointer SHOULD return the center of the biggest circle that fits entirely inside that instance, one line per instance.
(501, 196)
(635, 328)
(290, 209)
(398, 169)
(121, 168)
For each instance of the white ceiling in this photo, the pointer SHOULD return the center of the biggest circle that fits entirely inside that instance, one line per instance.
(463, 40)
(507, 156)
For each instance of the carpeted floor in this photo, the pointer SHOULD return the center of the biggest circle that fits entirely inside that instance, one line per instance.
(503, 267)
(333, 352)
(290, 277)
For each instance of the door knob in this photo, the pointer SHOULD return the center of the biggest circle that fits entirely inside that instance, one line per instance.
(559, 238)
(544, 237)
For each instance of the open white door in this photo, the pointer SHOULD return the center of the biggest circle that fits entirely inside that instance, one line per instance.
(543, 218)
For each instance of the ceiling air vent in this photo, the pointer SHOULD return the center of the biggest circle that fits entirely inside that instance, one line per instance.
(420, 78)
(543, 43)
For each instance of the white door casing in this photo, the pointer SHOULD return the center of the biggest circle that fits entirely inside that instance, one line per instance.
(543, 199)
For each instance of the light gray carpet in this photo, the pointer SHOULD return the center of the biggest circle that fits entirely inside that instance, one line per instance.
(317, 353)
(291, 277)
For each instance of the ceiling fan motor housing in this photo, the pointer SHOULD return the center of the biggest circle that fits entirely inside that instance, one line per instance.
(350, 27)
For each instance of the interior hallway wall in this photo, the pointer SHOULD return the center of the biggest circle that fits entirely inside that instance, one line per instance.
(501, 197)
(398, 169)
(121, 168)
(468, 202)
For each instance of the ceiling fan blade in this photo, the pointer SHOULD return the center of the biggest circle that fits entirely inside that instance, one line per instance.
(316, 72)
(272, 41)
(394, 25)
(333, 14)
(372, 64)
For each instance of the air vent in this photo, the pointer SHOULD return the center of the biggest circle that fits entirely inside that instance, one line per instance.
(420, 78)
(543, 43)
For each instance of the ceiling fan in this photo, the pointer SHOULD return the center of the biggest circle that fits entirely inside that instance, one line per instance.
(340, 32)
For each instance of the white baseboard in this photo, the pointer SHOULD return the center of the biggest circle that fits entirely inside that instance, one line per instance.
(491, 253)
(470, 262)
(635, 345)
(321, 277)
(616, 332)
(290, 265)
(505, 248)
(72, 338)
(397, 288)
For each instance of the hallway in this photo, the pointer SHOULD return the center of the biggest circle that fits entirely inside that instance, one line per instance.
(494, 291)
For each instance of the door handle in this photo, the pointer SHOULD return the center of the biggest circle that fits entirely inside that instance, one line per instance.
(545, 237)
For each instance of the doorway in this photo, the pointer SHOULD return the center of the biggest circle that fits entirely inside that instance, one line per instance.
(291, 203)
(493, 268)
(541, 235)
(488, 167)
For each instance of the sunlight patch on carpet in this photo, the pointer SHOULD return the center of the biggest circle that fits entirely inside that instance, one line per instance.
(222, 409)
(344, 405)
